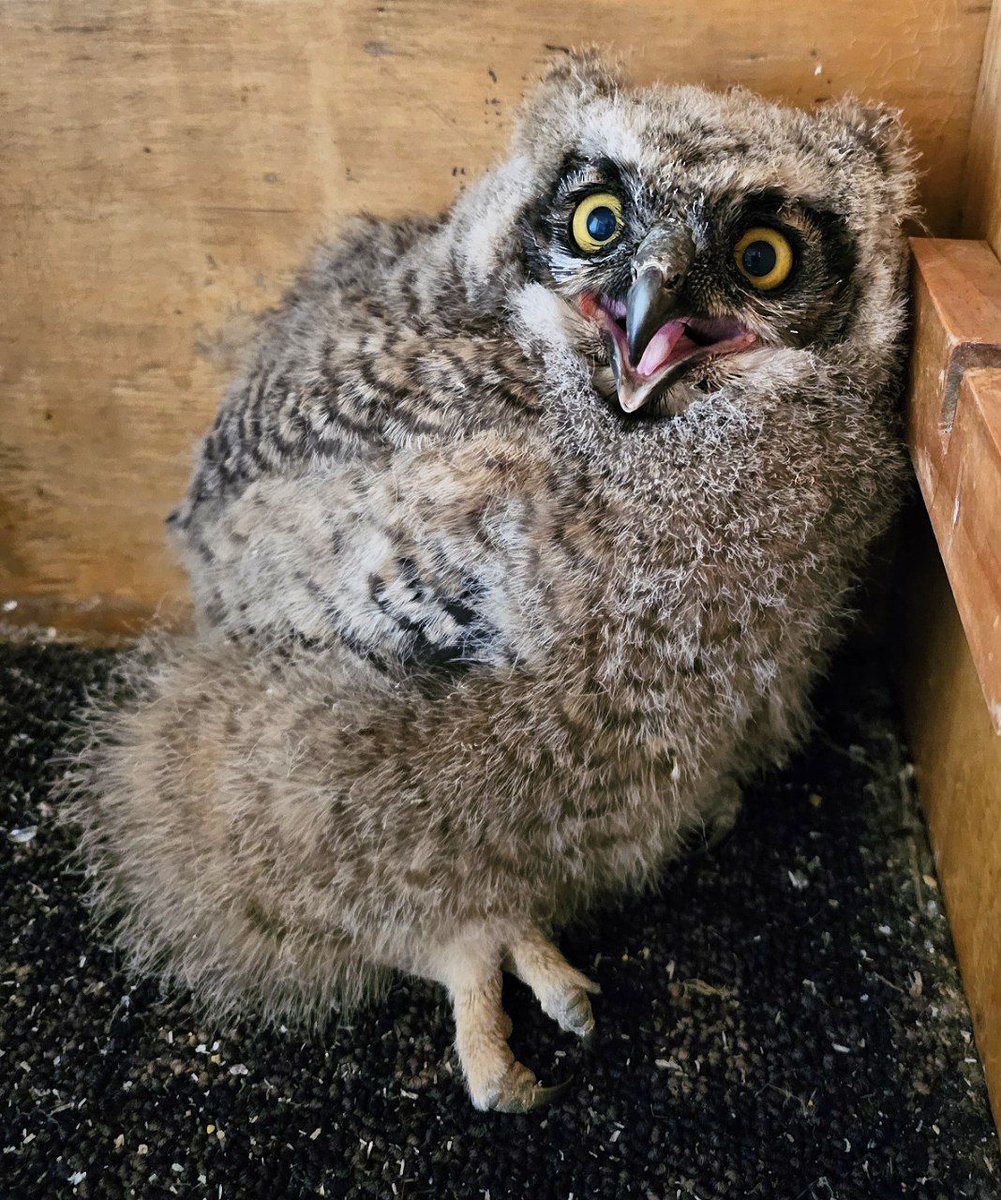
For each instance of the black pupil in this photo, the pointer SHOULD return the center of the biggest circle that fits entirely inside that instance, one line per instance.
(760, 258)
(601, 223)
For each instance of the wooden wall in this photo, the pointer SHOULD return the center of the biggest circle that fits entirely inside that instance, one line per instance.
(981, 193)
(165, 164)
(958, 758)
(956, 745)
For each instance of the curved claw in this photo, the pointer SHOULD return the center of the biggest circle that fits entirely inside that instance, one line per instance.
(534, 1097)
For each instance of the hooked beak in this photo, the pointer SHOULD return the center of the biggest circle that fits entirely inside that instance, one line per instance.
(651, 343)
(663, 261)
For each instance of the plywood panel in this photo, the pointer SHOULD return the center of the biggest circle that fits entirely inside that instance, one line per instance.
(958, 757)
(166, 163)
(982, 189)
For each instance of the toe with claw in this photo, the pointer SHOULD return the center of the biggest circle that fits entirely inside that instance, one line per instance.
(521, 1092)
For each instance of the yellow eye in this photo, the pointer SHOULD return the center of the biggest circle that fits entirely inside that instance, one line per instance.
(597, 222)
(764, 256)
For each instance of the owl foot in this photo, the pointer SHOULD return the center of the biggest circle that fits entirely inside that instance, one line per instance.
(521, 1092)
(561, 989)
(496, 1080)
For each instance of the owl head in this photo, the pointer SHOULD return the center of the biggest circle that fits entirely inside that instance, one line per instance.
(678, 238)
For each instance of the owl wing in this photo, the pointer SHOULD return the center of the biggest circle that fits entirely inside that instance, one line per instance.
(358, 361)
(424, 561)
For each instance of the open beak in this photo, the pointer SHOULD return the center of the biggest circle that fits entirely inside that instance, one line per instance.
(651, 344)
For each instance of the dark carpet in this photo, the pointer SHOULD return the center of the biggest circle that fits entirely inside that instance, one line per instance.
(783, 1020)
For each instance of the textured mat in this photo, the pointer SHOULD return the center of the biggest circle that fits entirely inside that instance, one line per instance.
(782, 1020)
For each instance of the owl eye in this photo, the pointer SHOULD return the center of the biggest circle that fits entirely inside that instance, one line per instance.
(765, 257)
(597, 222)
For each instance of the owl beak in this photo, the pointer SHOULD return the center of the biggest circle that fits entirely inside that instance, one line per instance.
(660, 269)
(652, 343)
(650, 303)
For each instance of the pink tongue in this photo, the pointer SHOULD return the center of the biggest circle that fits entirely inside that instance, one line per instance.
(668, 342)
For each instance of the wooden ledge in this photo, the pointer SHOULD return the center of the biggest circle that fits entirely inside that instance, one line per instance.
(954, 433)
(957, 322)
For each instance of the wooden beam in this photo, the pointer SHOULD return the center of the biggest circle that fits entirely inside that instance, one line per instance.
(952, 621)
(954, 433)
(953, 580)
(957, 326)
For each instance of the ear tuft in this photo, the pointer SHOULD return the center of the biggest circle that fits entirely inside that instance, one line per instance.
(880, 131)
(585, 69)
(574, 79)
(878, 128)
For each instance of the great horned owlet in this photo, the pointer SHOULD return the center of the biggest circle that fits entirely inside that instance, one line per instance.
(515, 549)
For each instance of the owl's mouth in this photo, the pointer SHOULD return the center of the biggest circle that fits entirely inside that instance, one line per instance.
(675, 350)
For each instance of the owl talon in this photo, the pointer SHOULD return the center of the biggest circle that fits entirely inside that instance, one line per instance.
(524, 1097)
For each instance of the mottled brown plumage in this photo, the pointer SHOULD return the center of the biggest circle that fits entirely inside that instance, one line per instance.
(476, 650)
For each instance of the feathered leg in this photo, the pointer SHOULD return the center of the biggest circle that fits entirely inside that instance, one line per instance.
(470, 968)
(560, 988)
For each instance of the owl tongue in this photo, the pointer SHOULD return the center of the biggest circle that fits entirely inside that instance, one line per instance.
(666, 345)
(677, 346)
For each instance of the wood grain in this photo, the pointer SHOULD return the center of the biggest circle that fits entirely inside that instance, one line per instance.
(958, 758)
(957, 327)
(953, 647)
(982, 187)
(167, 163)
(961, 484)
